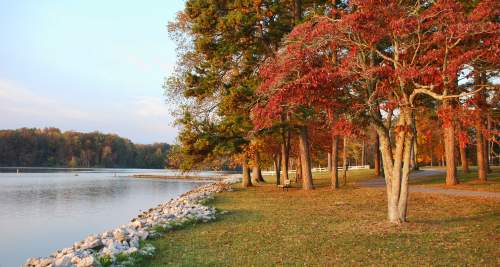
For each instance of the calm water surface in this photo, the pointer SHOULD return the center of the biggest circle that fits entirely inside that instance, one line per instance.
(44, 211)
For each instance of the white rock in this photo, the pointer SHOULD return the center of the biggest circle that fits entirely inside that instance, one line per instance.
(64, 261)
(88, 261)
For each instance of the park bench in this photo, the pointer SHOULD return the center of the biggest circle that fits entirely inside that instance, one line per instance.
(286, 184)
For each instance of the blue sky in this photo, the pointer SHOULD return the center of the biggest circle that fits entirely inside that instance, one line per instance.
(87, 65)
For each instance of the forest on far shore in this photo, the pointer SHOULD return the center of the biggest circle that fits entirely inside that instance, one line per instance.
(49, 147)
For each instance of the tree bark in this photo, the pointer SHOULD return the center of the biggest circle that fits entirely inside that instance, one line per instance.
(247, 181)
(277, 167)
(329, 162)
(305, 159)
(451, 167)
(463, 159)
(363, 153)
(397, 165)
(344, 161)
(414, 152)
(482, 169)
(298, 173)
(285, 149)
(334, 162)
(377, 156)
(256, 172)
(297, 11)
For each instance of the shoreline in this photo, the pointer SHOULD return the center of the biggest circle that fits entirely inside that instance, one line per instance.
(125, 245)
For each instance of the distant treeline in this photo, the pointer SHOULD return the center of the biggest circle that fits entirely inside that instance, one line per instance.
(49, 147)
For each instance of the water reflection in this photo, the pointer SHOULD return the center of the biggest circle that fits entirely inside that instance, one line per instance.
(42, 212)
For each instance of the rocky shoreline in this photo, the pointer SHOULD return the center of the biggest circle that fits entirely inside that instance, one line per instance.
(125, 245)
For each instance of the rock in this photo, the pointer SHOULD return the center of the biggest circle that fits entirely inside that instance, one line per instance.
(64, 261)
(32, 262)
(134, 242)
(131, 250)
(95, 243)
(46, 262)
(119, 235)
(88, 261)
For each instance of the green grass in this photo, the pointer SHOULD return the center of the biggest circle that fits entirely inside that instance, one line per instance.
(267, 227)
(323, 179)
(468, 181)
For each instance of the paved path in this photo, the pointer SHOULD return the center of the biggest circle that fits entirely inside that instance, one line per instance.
(380, 182)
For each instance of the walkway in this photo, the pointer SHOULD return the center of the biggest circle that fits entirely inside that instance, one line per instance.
(380, 182)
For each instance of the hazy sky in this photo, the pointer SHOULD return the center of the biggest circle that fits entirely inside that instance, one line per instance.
(87, 65)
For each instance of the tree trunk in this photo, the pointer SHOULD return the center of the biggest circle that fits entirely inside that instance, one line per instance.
(247, 181)
(376, 159)
(463, 159)
(285, 149)
(397, 165)
(334, 160)
(298, 173)
(277, 167)
(256, 172)
(363, 153)
(297, 11)
(329, 162)
(451, 167)
(487, 145)
(305, 159)
(344, 161)
(482, 169)
(414, 152)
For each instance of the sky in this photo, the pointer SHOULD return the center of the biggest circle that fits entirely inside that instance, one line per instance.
(87, 65)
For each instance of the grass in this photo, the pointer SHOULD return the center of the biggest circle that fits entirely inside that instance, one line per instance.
(468, 181)
(264, 226)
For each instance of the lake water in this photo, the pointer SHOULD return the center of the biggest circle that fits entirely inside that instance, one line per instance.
(42, 211)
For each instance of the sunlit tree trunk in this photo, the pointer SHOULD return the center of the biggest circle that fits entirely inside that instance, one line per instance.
(334, 160)
(246, 181)
(376, 159)
(397, 165)
(463, 159)
(344, 161)
(329, 162)
(305, 159)
(482, 169)
(450, 154)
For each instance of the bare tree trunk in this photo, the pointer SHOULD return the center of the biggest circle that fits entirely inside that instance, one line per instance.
(414, 152)
(363, 153)
(256, 172)
(305, 158)
(297, 11)
(277, 167)
(334, 162)
(247, 181)
(329, 162)
(377, 156)
(463, 159)
(298, 173)
(285, 149)
(344, 161)
(487, 145)
(482, 171)
(451, 167)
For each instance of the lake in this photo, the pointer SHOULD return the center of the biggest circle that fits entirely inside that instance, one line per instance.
(45, 210)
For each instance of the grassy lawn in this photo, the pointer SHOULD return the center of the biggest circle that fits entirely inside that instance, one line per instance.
(468, 181)
(264, 226)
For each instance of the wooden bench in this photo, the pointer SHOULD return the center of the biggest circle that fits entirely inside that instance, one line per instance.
(286, 184)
